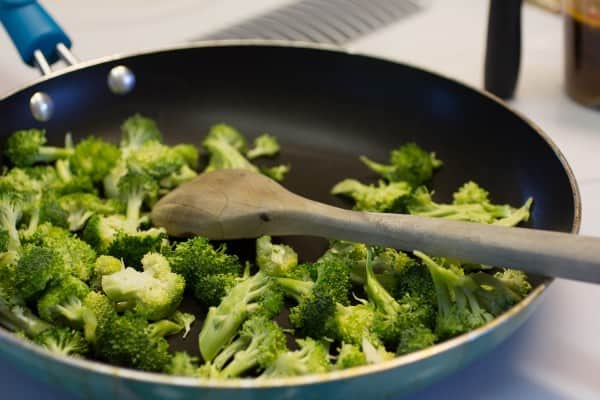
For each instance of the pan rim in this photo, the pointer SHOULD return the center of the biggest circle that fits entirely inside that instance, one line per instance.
(159, 378)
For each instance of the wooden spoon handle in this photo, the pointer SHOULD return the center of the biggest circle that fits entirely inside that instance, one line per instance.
(547, 253)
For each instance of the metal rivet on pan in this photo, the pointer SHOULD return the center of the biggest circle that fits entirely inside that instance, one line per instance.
(41, 106)
(121, 80)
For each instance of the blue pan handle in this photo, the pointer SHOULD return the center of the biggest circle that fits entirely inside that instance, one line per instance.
(31, 28)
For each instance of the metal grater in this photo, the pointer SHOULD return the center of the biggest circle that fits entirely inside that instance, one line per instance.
(321, 21)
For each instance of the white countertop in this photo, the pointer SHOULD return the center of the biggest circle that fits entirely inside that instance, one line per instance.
(556, 354)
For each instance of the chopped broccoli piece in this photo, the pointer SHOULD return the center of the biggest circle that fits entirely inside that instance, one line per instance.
(58, 294)
(464, 209)
(224, 155)
(154, 293)
(137, 131)
(11, 211)
(101, 307)
(409, 163)
(189, 153)
(73, 210)
(184, 174)
(498, 292)
(129, 341)
(26, 147)
(265, 145)
(79, 316)
(459, 310)
(63, 341)
(111, 180)
(104, 265)
(352, 323)
(229, 135)
(94, 157)
(209, 272)
(182, 364)
(242, 300)
(76, 255)
(36, 268)
(259, 343)
(275, 259)
(14, 315)
(277, 172)
(131, 247)
(185, 320)
(386, 197)
(311, 358)
(349, 356)
(67, 182)
(156, 160)
(374, 351)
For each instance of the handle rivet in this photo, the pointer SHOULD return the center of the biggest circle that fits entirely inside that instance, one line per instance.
(121, 80)
(41, 106)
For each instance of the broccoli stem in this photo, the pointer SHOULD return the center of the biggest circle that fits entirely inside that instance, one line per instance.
(9, 216)
(163, 328)
(51, 153)
(228, 352)
(377, 293)
(296, 288)
(63, 170)
(17, 318)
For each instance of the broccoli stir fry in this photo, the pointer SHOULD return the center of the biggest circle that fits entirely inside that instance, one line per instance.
(84, 273)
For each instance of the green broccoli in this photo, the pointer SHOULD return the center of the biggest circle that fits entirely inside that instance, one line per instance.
(26, 147)
(209, 273)
(224, 155)
(465, 209)
(252, 295)
(16, 316)
(110, 183)
(184, 174)
(67, 182)
(63, 341)
(104, 265)
(154, 293)
(130, 341)
(259, 343)
(317, 300)
(36, 268)
(185, 320)
(60, 293)
(352, 323)
(227, 134)
(94, 157)
(275, 259)
(409, 163)
(182, 364)
(386, 197)
(101, 307)
(73, 210)
(349, 356)
(189, 153)
(374, 350)
(459, 310)
(498, 292)
(11, 211)
(277, 172)
(265, 145)
(131, 247)
(156, 160)
(312, 357)
(137, 131)
(76, 255)
(399, 324)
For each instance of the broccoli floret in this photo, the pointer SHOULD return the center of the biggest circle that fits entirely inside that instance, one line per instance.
(131, 247)
(227, 134)
(26, 147)
(137, 131)
(63, 341)
(4, 240)
(515, 280)
(111, 180)
(134, 187)
(59, 294)
(76, 255)
(459, 310)
(73, 210)
(11, 211)
(209, 273)
(36, 268)
(498, 292)
(374, 350)
(349, 356)
(265, 145)
(385, 197)
(259, 343)
(100, 231)
(317, 300)
(242, 300)
(156, 160)
(128, 341)
(163, 328)
(352, 323)
(184, 174)
(398, 324)
(67, 182)
(182, 364)
(275, 259)
(185, 320)
(15, 316)
(277, 172)
(101, 307)
(311, 358)
(224, 155)
(471, 193)
(189, 153)
(154, 293)
(104, 265)
(408, 163)
(94, 157)
(465, 209)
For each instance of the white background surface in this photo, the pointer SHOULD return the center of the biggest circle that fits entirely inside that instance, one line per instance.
(556, 355)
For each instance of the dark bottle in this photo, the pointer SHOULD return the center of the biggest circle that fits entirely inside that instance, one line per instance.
(582, 51)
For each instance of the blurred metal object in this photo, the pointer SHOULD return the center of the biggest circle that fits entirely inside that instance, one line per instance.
(322, 21)
(41, 106)
(548, 5)
(121, 80)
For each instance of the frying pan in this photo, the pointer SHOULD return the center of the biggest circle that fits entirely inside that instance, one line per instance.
(326, 106)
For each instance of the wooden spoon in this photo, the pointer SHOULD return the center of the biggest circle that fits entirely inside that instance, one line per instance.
(235, 204)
